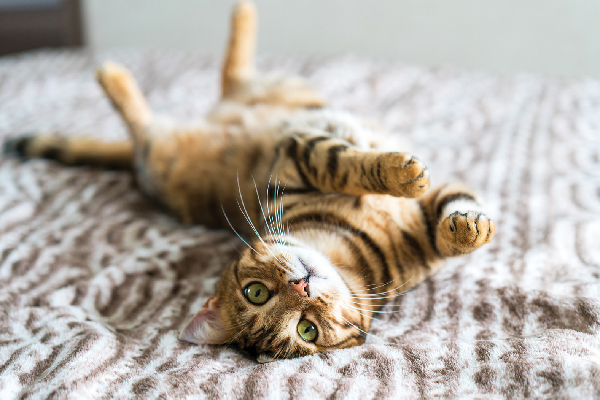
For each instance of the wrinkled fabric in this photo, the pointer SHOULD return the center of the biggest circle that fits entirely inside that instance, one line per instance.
(96, 282)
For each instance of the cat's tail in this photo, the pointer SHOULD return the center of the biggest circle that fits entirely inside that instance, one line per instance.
(122, 90)
(239, 59)
(72, 150)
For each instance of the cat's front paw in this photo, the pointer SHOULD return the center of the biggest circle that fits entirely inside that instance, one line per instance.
(407, 176)
(463, 232)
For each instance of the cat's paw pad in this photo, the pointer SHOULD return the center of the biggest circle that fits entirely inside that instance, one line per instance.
(466, 231)
(408, 176)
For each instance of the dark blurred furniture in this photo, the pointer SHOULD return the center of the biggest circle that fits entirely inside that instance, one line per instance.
(31, 24)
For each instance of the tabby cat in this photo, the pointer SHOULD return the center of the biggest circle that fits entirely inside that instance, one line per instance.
(335, 223)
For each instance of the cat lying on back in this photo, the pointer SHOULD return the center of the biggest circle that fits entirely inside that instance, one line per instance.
(335, 222)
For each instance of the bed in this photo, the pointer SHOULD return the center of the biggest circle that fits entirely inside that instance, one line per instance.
(95, 282)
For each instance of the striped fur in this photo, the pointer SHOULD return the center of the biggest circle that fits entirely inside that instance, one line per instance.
(317, 195)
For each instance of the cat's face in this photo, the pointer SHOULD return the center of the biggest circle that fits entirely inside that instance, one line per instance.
(281, 301)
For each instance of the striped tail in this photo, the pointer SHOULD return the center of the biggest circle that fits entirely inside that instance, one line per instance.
(72, 151)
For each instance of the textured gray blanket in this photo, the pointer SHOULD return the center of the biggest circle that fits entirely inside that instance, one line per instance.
(95, 283)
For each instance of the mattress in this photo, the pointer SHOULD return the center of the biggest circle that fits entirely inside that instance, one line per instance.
(95, 282)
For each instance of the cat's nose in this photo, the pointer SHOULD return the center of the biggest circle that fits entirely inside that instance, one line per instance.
(300, 287)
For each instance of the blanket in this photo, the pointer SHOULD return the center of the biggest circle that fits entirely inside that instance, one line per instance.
(95, 282)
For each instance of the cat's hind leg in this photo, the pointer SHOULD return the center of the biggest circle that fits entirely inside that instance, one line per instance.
(455, 218)
(239, 59)
(122, 90)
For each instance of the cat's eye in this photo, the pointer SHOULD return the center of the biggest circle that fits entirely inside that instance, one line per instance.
(307, 330)
(257, 293)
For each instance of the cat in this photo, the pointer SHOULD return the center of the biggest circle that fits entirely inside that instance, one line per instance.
(341, 223)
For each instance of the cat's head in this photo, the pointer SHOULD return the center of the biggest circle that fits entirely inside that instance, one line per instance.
(280, 301)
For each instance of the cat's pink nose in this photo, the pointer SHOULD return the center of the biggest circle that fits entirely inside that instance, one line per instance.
(300, 287)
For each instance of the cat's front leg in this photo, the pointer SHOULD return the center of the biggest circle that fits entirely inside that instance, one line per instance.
(461, 232)
(333, 165)
(456, 220)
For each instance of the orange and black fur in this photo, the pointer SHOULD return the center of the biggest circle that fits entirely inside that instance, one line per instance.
(335, 225)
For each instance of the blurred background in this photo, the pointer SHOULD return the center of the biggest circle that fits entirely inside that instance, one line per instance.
(555, 37)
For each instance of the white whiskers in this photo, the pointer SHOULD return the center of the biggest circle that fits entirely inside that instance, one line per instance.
(236, 232)
(249, 220)
(273, 223)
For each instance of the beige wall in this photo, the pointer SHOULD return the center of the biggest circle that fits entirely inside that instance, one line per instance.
(559, 37)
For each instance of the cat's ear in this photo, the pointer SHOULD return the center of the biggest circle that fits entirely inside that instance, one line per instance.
(206, 326)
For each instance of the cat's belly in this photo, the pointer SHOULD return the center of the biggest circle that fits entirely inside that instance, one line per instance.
(206, 177)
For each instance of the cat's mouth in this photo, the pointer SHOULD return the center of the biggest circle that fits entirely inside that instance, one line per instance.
(301, 286)
(311, 274)
(310, 270)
